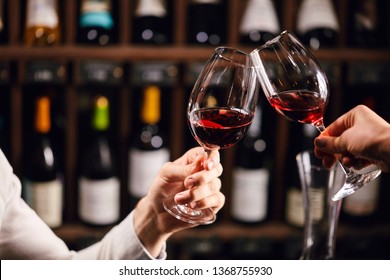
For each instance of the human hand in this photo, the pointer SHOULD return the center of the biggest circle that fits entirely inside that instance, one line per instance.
(192, 179)
(359, 137)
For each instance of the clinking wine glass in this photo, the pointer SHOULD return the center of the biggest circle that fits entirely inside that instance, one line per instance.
(220, 109)
(297, 87)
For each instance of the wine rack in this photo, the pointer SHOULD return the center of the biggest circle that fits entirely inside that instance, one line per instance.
(65, 65)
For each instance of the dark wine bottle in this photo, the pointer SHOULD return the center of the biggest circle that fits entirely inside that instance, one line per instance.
(251, 176)
(206, 22)
(151, 24)
(96, 22)
(317, 23)
(99, 187)
(364, 24)
(42, 23)
(259, 22)
(148, 152)
(43, 187)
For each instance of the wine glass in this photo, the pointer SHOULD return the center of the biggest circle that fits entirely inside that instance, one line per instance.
(297, 87)
(220, 109)
(321, 213)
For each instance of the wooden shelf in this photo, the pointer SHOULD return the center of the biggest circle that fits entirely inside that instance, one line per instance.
(172, 53)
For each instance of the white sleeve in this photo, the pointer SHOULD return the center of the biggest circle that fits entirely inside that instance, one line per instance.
(23, 235)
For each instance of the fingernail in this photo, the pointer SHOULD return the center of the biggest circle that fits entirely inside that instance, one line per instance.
(193, 205)
(210, 164)
(320, 143)
(190, 183)
(180, 198)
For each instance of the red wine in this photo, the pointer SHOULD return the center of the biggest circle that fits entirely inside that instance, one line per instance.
(219, 127)
(300, 106)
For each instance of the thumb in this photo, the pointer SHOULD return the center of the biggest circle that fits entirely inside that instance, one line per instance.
(179, 171)
(330, 145)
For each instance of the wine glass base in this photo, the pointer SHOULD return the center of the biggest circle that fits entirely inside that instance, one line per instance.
(355, 183)
(187, 214)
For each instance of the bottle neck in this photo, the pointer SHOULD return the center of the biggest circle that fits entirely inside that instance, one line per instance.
(95, 6)
(254, 130)
(156, 8)
(96, 13)
(206, 1)
(42, 116)
(259, 15)
(101, 118)
(42, 13)
(314, 14)
(150, 107)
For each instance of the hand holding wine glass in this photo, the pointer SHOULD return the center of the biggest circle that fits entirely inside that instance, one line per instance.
(220, 109)
(296, 86)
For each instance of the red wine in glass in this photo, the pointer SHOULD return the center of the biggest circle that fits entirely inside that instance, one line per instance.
(219, 128)
(300, 106)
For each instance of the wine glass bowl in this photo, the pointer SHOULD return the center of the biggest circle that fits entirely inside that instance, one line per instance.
(220, 109)
(297, 87)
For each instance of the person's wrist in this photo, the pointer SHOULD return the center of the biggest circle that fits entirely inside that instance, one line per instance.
(147, 228)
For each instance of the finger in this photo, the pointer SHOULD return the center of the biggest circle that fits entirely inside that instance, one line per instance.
(190, 156)
(328, 161)
(215, 202)
(212, 160)
(330, 145)
(174, 171)
(203, 177)
(340, 125)
(199, 193)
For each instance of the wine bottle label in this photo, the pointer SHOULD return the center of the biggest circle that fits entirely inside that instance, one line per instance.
(144, 166)
(315, 14)
(294, 207)
(42, 13)
(99, 200)
(259, 15)
(46, 199)
(364, 201)
(96, 13)
(151, 8)
(250, 194)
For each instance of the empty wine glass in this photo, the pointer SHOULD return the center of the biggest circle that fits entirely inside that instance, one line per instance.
(220, 109)
(321, 213)
(297, 87)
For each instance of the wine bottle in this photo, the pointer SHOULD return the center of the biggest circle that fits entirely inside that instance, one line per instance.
(364, 24)
(43, 187)
(206, 25)
(99, 187)
(360, 207)
(42, 23)
(148, 151)
(259, 23)
(96, 22)
(251, 176)
(317, 23)
(151, 24)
